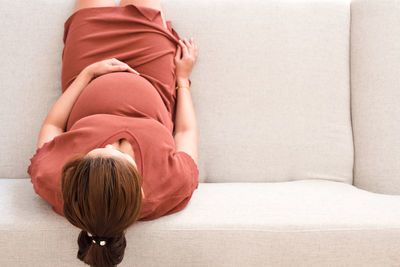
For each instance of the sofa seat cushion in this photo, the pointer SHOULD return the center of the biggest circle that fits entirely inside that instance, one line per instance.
(304, 222)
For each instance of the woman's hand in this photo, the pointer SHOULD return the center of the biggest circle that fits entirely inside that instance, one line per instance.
(108, 65)
(185, 64)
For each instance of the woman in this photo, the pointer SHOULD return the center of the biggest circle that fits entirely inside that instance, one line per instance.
(120, 144)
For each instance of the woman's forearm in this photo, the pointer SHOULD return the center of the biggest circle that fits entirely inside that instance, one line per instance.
(60, 111)
(185, 118)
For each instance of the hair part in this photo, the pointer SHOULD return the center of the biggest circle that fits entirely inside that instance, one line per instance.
(102, 196)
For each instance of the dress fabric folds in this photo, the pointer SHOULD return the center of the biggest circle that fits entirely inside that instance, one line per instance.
(121, 104)
(132, 34)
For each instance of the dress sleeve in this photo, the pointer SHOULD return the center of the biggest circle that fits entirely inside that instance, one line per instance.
(45, 172)
(39, 154)
(175, 188)
(168, 206)
(189, 173)
(191, 168)
(181, 205)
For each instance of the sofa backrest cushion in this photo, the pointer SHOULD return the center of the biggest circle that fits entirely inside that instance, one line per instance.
(271, 88)
(31, 46)
(375, 94)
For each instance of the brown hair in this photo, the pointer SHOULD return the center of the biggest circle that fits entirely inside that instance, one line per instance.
(102, 196)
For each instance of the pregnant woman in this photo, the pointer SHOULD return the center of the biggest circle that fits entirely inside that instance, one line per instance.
(120, 144)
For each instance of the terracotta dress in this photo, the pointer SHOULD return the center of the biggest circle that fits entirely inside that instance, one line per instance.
(140, 108)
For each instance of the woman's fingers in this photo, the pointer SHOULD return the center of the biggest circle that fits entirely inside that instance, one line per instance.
(189, 46)
(122, 67)
(131, 70)
(193, 44)
(187, 43)
(114, 61)
(178, 53)
(192, 48)
(118, 68)
(184, 48)
(119, 65)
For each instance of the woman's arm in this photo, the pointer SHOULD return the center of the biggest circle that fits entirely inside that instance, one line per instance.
(186, 132)
(186, 136)
(56, 119)
(60, 111)
(185, 118)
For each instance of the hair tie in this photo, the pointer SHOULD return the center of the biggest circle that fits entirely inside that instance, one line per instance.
(98, 240)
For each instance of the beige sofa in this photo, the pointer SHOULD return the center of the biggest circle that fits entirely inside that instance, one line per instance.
(298, 108)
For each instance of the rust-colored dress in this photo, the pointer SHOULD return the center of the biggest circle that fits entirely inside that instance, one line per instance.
(140, 108)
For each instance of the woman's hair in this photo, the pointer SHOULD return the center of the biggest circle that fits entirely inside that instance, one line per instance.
(102, 196)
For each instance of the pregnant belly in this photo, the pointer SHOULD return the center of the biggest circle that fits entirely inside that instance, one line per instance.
(120, 93)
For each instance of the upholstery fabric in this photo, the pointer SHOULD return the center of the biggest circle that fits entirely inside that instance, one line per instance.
(279, 91)
(271, 89)
(301, 223)
(279, 88)
(375, 98)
